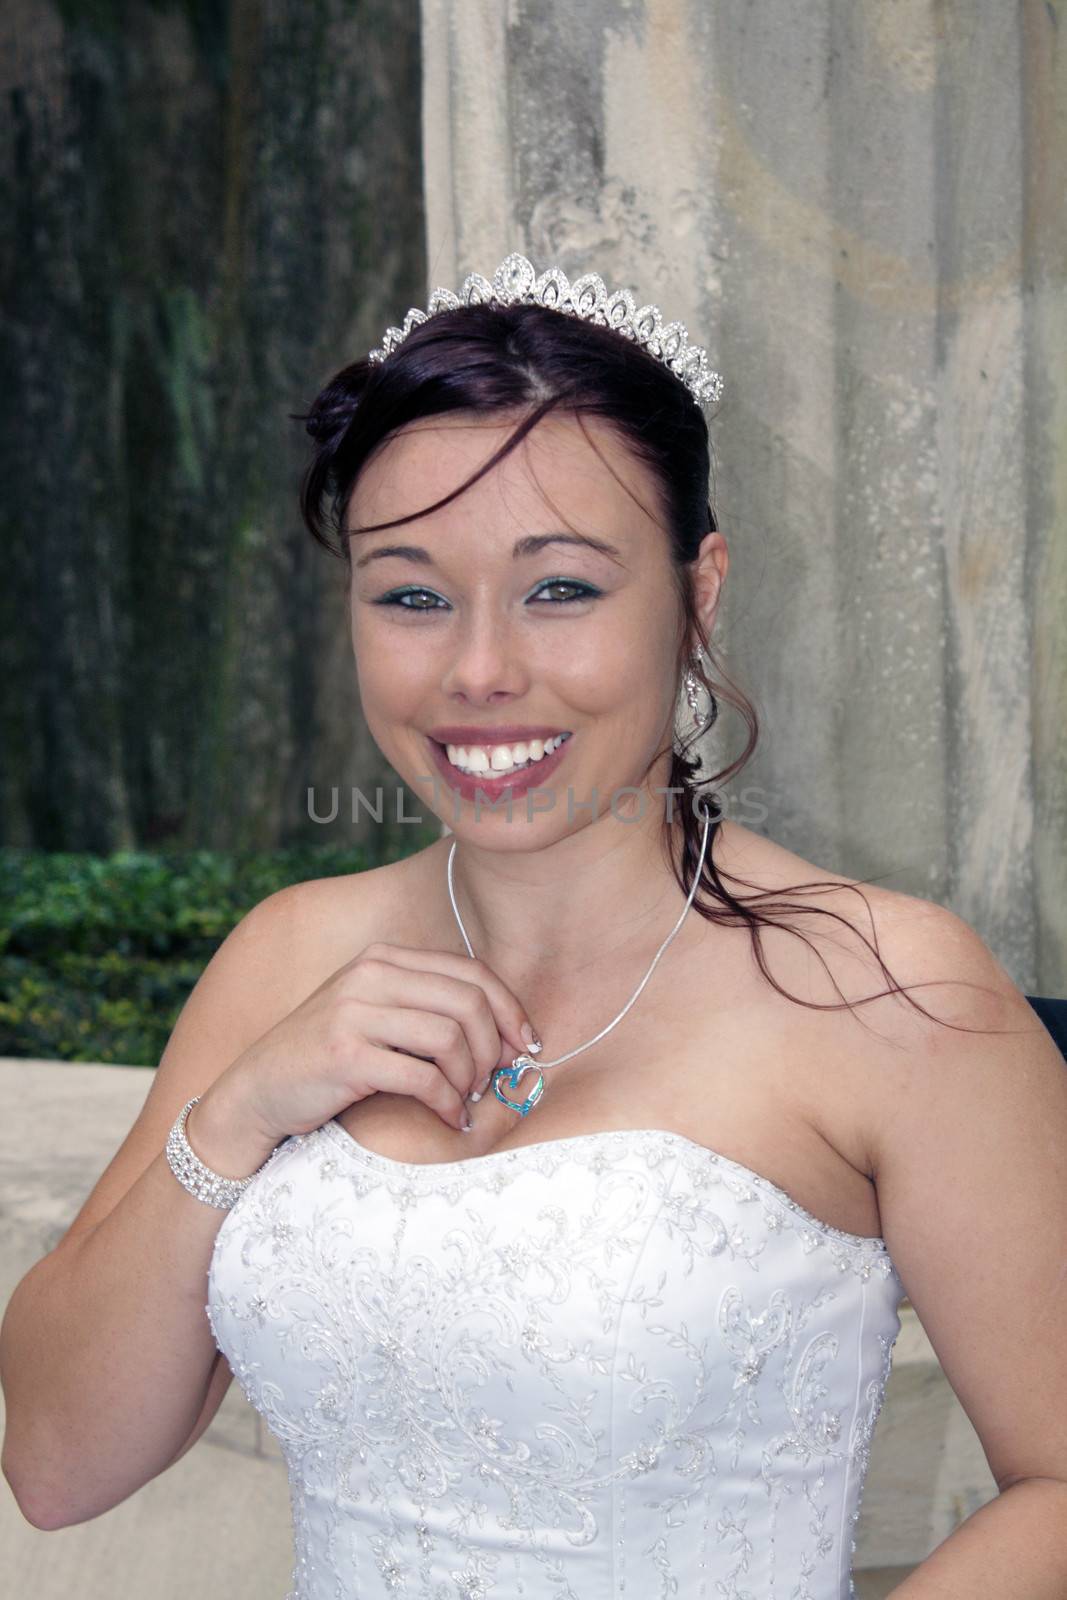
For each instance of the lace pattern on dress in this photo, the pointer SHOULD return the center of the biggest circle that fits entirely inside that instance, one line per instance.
(609, 1363)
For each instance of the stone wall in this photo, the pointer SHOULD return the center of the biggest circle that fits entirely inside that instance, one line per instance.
(860, 210)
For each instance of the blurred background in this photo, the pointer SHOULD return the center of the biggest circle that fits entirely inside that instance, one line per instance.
(207, 207)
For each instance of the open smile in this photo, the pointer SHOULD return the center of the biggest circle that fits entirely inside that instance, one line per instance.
(520, 777)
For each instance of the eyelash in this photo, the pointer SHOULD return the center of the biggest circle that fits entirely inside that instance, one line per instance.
(587, 592)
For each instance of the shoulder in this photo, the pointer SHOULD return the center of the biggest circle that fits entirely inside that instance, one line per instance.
(973, 1063)
(928, 949)
(948, 1031)
(925, 989)
(324, 922)
(945, 965)
(829, 933)
(292, 940)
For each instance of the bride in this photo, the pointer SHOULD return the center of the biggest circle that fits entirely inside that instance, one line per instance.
(563, 1179)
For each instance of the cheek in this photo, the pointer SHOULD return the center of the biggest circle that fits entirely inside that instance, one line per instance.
(388, 679)
(644, 692)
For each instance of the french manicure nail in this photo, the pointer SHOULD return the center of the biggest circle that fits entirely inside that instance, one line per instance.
(467, 1126)
(530, 1038)
(476, 1096)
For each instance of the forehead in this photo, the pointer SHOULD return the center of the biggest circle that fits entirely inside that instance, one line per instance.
(556, 466)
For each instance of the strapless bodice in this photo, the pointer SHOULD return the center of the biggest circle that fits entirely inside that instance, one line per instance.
(616, 1364)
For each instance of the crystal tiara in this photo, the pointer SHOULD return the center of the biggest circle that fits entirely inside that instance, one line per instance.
(515, 282)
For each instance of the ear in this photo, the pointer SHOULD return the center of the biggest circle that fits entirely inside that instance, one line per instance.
(711, 564)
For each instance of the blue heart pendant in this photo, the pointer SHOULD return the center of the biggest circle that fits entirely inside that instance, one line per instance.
(513, 1074)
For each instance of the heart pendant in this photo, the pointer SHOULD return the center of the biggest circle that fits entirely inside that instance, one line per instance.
(513, 1074)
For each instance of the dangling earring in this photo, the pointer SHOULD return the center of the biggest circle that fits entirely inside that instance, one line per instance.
(702, 720)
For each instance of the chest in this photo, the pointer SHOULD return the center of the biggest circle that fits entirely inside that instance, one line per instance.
(708, 1049)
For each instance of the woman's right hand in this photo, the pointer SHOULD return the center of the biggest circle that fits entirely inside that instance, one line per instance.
(427, 1023)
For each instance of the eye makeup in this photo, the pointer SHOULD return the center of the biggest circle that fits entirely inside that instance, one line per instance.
(585, 591)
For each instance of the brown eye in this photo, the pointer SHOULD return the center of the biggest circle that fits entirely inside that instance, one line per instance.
(401, 595)
(580, 591)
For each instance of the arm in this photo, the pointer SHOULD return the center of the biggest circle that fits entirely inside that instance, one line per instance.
(106, 1354)
(107, 1359)
(969, 1153)
(1012, 1548)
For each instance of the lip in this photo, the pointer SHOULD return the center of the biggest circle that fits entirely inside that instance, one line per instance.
(470, 785)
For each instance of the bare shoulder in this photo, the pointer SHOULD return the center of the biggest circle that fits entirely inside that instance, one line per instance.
(941, 962)
(922, 987)
(829, 932)
(328, 921)
(928, 950)
(957, 1054)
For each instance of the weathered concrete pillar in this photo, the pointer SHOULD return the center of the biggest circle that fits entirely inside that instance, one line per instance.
(856, 208)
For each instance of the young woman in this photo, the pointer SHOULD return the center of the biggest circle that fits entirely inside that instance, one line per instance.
(582, 1159)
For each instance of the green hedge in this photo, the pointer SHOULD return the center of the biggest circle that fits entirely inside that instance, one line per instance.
(98, 954)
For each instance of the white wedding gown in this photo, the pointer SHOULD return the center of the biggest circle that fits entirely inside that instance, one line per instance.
(611, 1365)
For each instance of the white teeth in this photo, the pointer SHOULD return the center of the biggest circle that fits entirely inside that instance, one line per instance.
(500, 758)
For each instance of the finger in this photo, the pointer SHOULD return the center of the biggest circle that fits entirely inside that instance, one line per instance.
(508, 1011)
(437, 1038)
(393, 1072)
(381, 983)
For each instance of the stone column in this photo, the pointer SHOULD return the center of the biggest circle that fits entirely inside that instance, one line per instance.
(856, 209)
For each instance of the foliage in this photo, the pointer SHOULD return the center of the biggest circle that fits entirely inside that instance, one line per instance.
(99, 953)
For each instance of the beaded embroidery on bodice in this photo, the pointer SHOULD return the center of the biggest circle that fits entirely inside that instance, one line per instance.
(616, 1364)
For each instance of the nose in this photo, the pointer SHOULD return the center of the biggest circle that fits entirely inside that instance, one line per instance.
(483, 663)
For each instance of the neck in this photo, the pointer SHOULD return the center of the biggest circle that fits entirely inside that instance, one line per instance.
(540, 919)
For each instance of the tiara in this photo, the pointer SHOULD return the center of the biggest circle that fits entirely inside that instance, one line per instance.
(515, 282)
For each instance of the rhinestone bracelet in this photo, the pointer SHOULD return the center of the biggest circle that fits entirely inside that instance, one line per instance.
(188, 1168)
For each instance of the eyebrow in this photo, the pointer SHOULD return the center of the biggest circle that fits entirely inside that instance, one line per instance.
(530, 545)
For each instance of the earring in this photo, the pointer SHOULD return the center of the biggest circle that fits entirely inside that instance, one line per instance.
(702, 720)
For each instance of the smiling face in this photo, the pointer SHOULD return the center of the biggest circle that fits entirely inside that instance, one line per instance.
(486, 624)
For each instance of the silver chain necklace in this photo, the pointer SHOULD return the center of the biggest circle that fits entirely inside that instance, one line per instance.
(524, 1063)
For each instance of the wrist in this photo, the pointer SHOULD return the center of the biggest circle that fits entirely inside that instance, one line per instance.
(223, 1139)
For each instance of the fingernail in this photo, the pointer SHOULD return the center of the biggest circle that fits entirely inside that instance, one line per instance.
(476, 1096)
(530, 1039)
(467, 1126)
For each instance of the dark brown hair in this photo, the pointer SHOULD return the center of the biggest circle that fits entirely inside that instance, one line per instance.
(490, 359)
